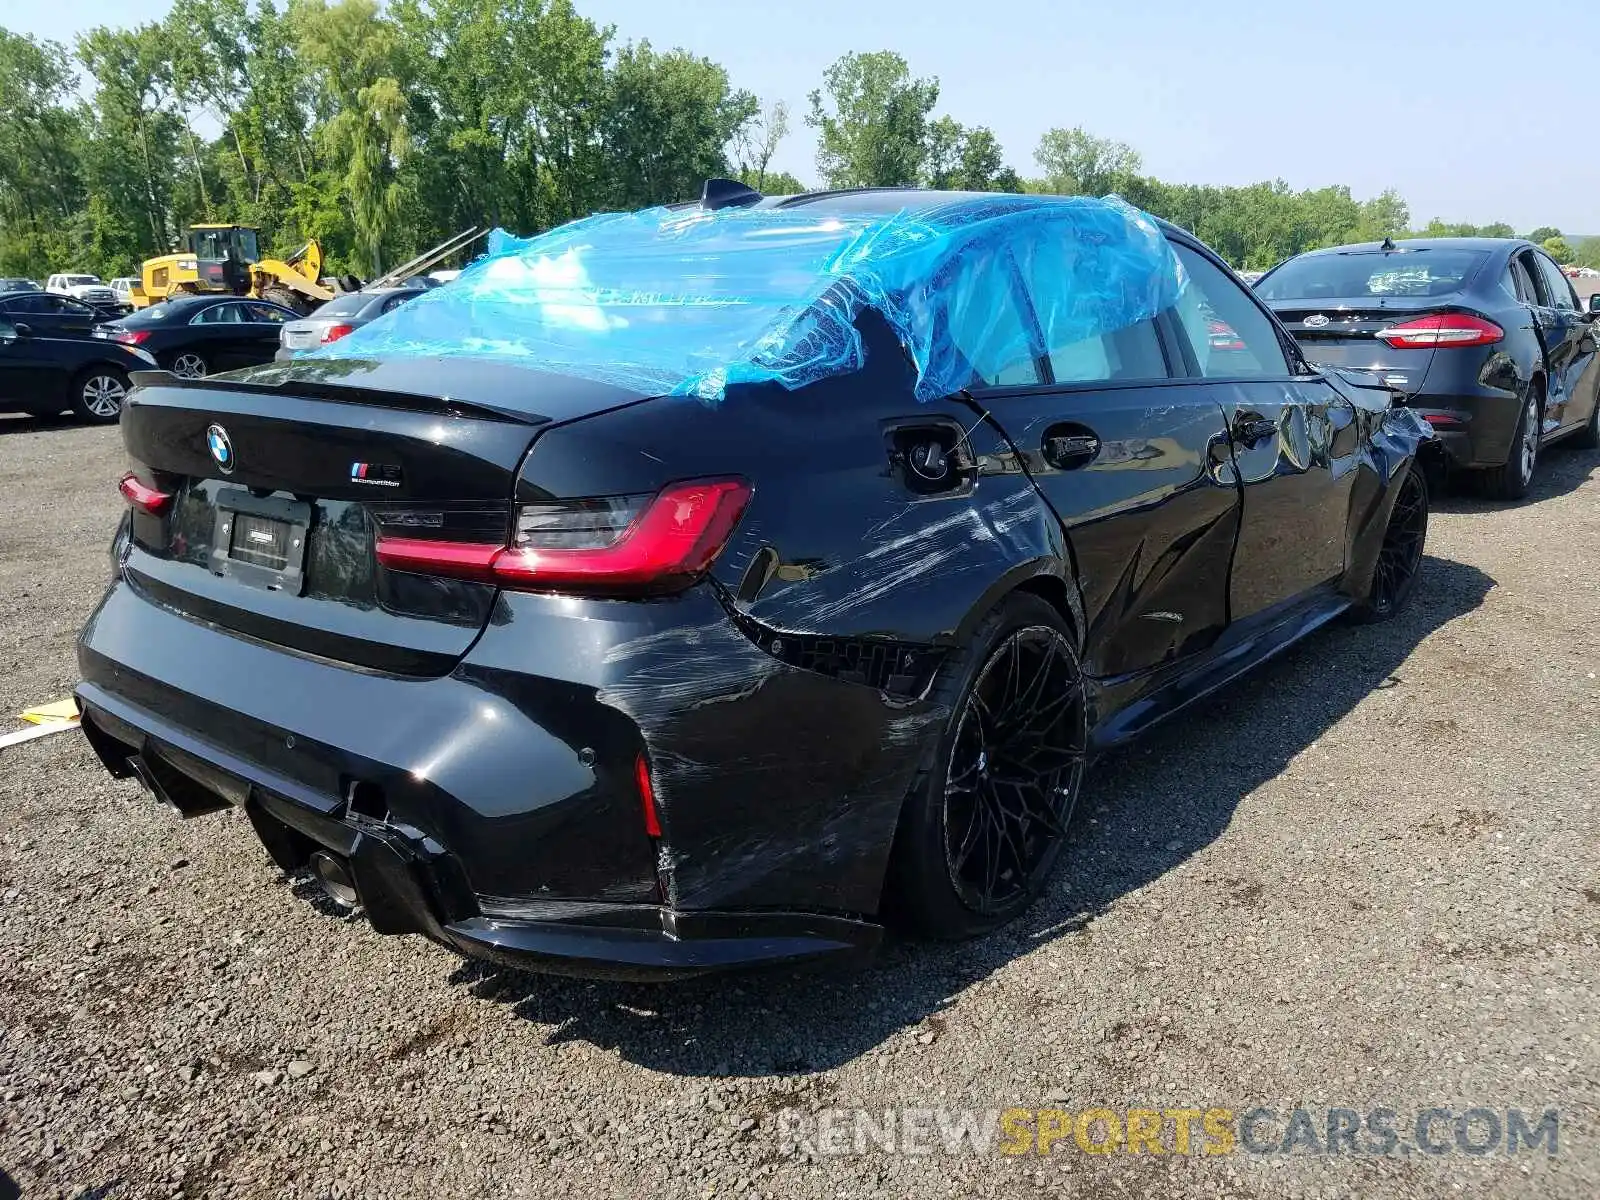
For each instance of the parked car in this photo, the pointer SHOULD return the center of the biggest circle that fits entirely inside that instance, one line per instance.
(344, 315)
(1483, 336)
(91, 289)
(194, 336)
(576, 626)
(45, 374)
(122, 287)
(55, 315)
(7, 286)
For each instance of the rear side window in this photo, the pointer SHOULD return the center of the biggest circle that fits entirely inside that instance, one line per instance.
(1231, 337)
(346, 305)
(266, 314)
(1076, 345)
(1518, 283)
(399, 298)
(220, 314)
(1556, 284)
(986, 330)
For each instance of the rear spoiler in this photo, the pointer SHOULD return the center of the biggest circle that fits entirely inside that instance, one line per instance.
(343, 394)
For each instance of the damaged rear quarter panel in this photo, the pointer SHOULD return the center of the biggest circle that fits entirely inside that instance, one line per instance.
(780, 783)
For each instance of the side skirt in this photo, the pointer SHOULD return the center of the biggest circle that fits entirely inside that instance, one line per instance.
(1124, 706)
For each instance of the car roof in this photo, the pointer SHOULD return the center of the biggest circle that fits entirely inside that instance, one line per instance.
(886, 201)
(1438, 243)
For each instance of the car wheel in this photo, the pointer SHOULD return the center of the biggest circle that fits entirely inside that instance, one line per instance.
(1510, 482)
(98, 393)
(1394, 578)
(986, 818)
(187, 365)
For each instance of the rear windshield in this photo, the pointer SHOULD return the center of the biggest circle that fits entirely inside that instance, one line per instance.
(1372, 273)
(347, 305)
(153, 315)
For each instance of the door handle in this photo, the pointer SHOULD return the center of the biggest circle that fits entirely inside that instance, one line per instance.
(1249, 430)
(1067, 451)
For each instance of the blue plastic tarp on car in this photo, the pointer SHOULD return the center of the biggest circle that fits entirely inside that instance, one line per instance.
(692, 301)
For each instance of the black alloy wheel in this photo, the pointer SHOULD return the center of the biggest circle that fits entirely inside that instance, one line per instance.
(1013, 771)
(1394, 577)
(988, 815)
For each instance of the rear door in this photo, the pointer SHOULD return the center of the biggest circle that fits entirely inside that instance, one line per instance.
(1289, 429)
(1133, 458)
(222, 336)
(264, 328)
(26, 373)
(1569, 346)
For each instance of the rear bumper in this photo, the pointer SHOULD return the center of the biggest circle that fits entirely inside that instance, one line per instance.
(409, 883)
(1473, 431)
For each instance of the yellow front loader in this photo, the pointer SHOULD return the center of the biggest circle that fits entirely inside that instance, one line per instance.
(226, 260)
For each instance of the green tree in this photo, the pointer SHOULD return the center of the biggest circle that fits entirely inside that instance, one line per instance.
(1076, 163)
(1559, 250)
(1543, 234)
(361, 101)
(41, 185)
(969, 160)
(871, 119)
(668, 119)
(757, 140)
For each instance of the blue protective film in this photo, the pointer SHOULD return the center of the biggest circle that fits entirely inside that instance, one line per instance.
(690, 301)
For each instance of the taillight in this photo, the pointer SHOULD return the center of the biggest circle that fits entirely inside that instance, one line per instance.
(332, 333)
(647, 796)
(1443, 329)
(131, 337)
(611, 544)
(142, 495)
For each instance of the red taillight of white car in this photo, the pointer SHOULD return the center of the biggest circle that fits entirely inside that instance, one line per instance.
(1440, 331)
(610, 544)
(332, 333)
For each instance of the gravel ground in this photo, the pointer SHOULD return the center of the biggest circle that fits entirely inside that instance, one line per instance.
(1366, 877)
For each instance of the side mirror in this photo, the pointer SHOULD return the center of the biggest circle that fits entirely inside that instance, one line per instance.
(23, 330)
(1594, 305)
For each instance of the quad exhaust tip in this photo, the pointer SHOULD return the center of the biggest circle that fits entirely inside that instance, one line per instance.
(333, 876)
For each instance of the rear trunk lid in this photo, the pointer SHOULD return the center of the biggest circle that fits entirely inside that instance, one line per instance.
(280, 479)
(307, 334)
(1343, 332)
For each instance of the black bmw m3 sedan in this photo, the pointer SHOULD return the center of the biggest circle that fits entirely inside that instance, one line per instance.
(641, 605)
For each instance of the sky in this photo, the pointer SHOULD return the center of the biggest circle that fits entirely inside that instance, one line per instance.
(1470, 110)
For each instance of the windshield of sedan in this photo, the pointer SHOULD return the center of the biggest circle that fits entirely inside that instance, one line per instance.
(1358, 274)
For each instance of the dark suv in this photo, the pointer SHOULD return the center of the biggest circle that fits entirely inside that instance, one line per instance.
(679, 590)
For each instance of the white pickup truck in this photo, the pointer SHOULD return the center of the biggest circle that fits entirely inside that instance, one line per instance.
(91, 289)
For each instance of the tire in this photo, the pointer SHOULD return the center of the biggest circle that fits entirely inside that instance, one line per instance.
(186, 364)
(287, 297)
(98, 393)
(974, 849)
(1394, 576)
(1510, 480)
(1588, 438)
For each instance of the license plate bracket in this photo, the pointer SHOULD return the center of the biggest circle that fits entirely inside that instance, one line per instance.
(260, 540)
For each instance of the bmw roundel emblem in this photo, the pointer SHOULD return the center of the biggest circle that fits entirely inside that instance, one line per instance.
(221, 448)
